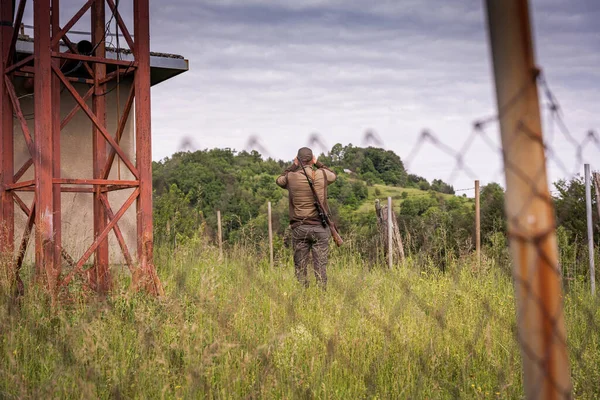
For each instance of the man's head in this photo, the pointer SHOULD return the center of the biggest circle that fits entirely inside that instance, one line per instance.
(305, 155)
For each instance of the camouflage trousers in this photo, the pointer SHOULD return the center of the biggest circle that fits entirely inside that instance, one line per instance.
(310, 240)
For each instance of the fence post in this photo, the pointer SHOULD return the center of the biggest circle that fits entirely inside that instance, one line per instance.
(590, 227)
(219, 234)
(270, 235)
(596, 177)
(529, 207)
(477, 224)
(390, 226)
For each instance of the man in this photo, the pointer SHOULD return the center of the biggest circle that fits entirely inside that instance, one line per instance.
(309, 236)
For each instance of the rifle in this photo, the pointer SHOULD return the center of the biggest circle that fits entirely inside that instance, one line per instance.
(323, 214)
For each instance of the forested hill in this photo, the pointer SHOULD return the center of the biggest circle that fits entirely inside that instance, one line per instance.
(240, 183)
(189, 187)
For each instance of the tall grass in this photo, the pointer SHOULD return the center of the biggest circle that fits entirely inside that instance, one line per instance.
(235, 328)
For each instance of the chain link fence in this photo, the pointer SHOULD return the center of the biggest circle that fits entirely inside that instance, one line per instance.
(534, 302)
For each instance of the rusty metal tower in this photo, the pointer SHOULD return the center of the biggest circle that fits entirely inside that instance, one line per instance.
(52, 49)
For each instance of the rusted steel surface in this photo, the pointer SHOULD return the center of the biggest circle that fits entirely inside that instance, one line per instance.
(56, 163)
(529, 207)
(114, 188)
(72, 181)
(57, 37)
(6, 139)
(44, 67)
(24, 168)
(20, 185)
(76, 108)
(22, 204)
(102, 236)
(30, 213)
(141, 51)
(119, 133)
(17, 66)
(98, 60)
(76, 189)
(73, 49)
(100, 276)
(97, 124)
(43, 145)
(118, 234)
(142, 125)
(122, 25)
(25, 238)
(121, 72)
(17, 110)
(15, 33)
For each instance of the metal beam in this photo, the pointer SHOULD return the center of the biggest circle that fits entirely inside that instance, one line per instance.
(16, 105)
(15, 32)
(44, 160)
(97, 124)
(101, 237)
(120, 129)
(7, 227)
(141, 32)
(122, 25)
(118, 234)
(92, 59)
(56, 163)
(100, 277)
(57, 37)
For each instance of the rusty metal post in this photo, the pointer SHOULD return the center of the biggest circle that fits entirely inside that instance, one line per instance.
(42, 82)
(529, 208)
(590, 226)
(7, 225)
(477, 223)
(56, 165)
(100, 276)
(143, 147)
(270, 235)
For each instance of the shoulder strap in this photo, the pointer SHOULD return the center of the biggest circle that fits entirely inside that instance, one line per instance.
(325, 203)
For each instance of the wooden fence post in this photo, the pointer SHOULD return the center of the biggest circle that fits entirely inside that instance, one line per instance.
(477, 224)
(270, 235)
(596, 176)
(590, 227)
(219, 234)
(383, 225)
(529, 207)
(390, 227)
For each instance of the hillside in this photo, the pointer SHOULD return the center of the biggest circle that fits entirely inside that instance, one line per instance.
(382, 192)
(191, 186)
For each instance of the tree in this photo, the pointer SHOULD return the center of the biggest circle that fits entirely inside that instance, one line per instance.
(493, 218)
(570, 208)
(440, 186)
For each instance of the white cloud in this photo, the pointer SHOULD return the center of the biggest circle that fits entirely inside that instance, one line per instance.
(282, 70)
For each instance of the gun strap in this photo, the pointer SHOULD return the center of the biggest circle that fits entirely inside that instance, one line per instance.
(325, 203)
(325, 206)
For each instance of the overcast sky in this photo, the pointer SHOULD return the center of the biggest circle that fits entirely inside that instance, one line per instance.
(281, 70)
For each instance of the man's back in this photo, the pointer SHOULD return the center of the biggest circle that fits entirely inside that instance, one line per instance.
(302, 203)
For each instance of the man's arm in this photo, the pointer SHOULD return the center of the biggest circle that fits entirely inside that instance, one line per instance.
(282, 179)
(331, 176)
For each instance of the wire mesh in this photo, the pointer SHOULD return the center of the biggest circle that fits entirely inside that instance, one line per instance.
(561, 147)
